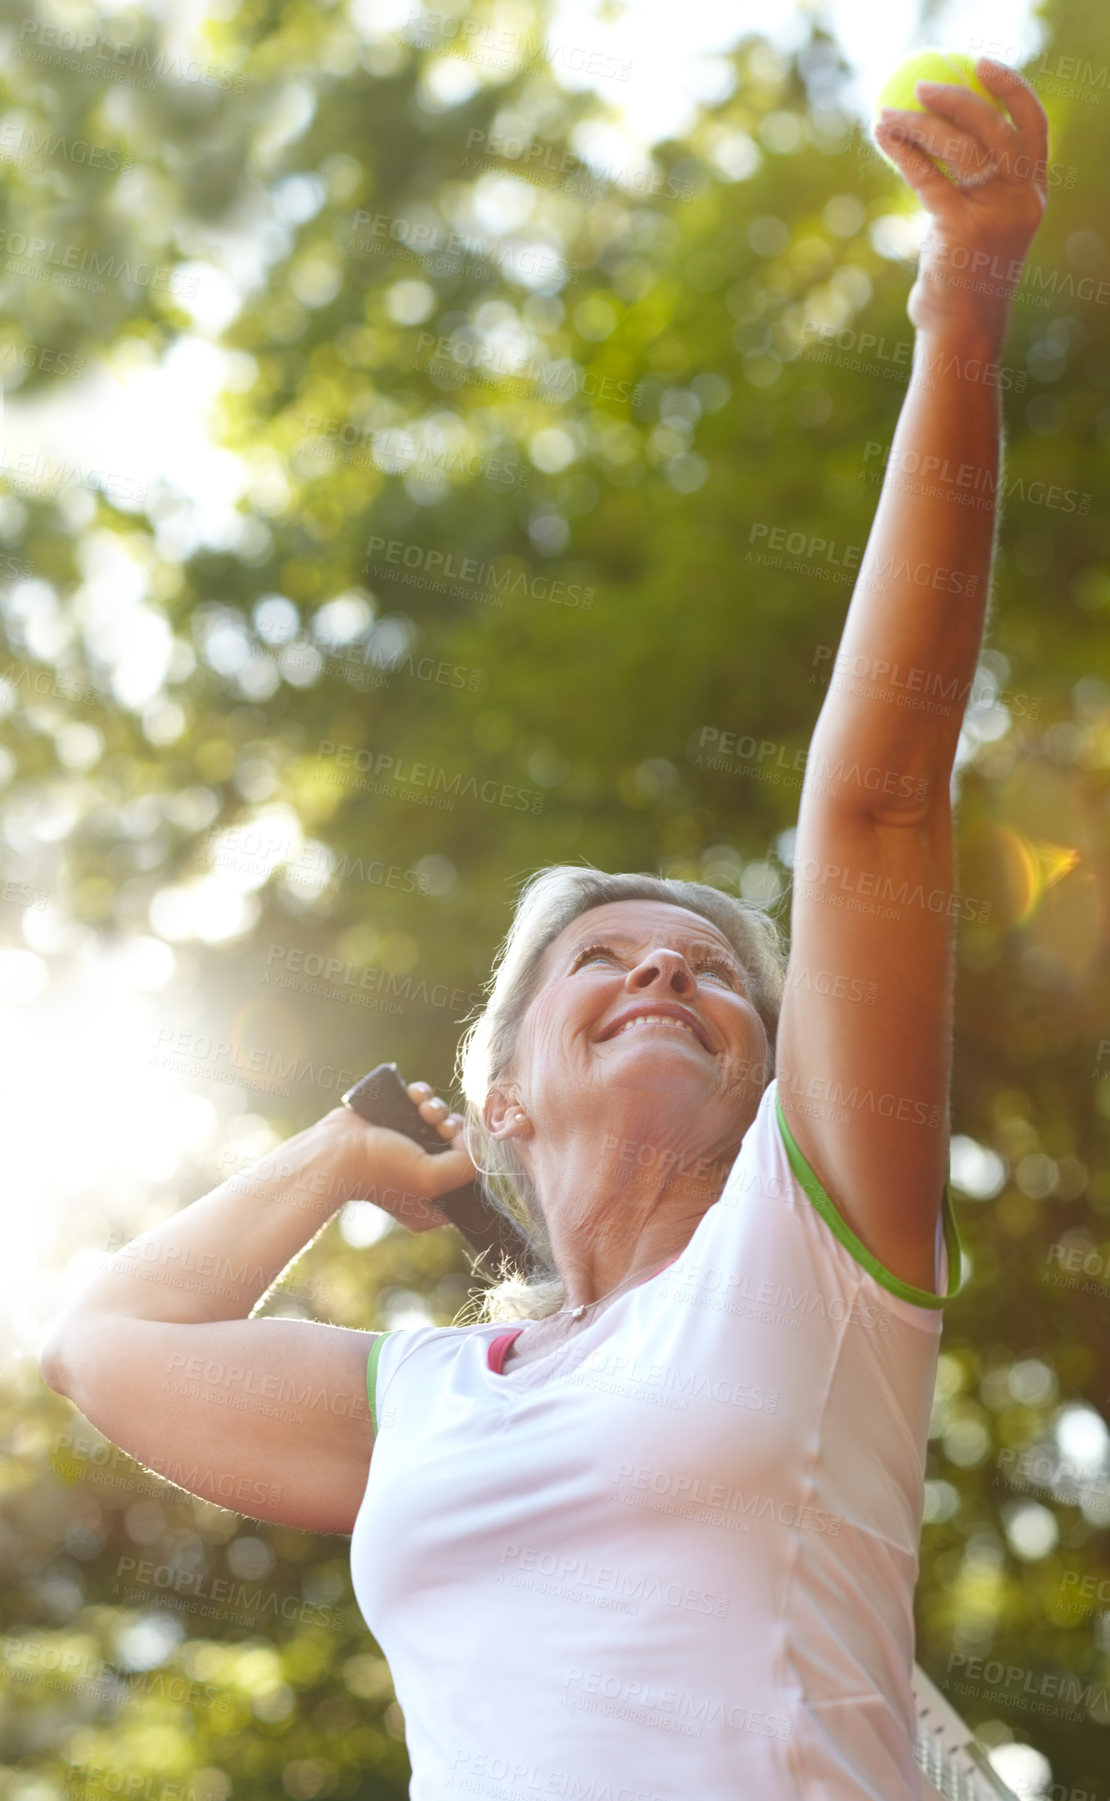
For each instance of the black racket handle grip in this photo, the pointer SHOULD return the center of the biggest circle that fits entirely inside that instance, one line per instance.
(382, 1099)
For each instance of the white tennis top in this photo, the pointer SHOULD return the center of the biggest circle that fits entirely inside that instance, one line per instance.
(676, 1557)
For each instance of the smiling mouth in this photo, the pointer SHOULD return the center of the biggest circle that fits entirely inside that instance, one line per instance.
(656, 1023)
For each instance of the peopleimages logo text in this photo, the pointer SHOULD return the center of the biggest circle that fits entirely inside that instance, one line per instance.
(95, 262)
(443, 566)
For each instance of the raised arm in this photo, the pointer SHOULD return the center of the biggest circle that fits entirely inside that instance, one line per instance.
(864, 1045)
(267, 1417)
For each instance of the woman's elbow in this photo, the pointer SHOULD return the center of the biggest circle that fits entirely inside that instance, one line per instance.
(52, 1366)
(56, 1358)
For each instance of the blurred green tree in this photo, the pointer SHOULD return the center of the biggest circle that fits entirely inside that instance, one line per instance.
(512, 440)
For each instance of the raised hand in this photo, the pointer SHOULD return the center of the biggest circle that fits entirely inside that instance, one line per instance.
(984, 220)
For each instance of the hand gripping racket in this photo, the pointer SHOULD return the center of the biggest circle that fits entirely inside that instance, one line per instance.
(383, 1100)
(954, 1765)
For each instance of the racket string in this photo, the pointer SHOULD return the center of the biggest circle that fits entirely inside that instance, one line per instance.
(954, 1773)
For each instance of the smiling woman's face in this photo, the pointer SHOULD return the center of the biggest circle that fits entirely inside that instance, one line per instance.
(703, 1059)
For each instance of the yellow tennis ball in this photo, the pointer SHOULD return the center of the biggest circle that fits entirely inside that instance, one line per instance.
(930, 65)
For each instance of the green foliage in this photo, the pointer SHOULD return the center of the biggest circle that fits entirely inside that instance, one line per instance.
(649, 411)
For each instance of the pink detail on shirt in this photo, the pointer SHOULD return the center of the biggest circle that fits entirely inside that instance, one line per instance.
(498, 1348)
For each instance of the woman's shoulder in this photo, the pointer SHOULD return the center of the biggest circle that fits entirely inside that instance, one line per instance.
(417, 1330)
(447, 1340)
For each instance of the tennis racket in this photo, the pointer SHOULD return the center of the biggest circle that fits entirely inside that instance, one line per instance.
(954, 1765)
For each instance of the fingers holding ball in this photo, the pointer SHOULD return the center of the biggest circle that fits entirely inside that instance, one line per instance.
(899, 92)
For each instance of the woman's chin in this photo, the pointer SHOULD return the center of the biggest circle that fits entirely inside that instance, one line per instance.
(662, 1075)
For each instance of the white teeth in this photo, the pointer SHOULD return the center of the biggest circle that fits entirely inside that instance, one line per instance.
(653, 1019)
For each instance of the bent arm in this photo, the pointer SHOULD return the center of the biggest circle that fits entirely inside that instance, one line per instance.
(268, 1417)
(220, 1255)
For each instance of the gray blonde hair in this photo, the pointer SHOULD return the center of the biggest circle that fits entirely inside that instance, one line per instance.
(548, 902)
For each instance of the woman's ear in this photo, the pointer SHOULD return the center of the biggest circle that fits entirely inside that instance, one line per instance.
(502, 1113)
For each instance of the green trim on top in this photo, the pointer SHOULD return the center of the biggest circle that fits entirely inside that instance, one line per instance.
(922, 1297)
(372, 1376)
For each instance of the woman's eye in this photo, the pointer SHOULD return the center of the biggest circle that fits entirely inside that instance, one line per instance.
(722, 972)
(709, 966)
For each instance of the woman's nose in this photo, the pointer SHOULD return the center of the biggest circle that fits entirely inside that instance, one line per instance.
(667, 968)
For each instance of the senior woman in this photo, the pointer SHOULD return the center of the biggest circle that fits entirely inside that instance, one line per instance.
(658, 1537)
